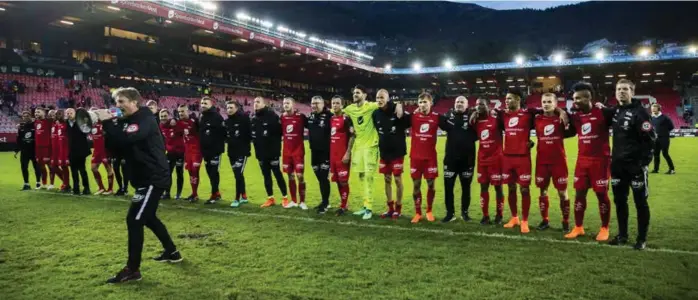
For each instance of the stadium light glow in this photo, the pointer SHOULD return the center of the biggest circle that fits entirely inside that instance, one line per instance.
(621, 75)
(301, 35)
(692, 49)
(417, 66)
(520, 80)
(609, 76)
(519, 59)
(448, 64)
(510, 80)
(551, 77)
(660, 74)
(600, 55)
(2, 9)
(113, 8)
(208, 31)
(168, 21)
(388, 67)
(644, 52)
(313, 39)
(243, 40)
(267, 24)
(586, 77)
(644, 81)
(243, 16)
(657, 80)
(67, 22)
(281, 28)
(512, 86)
(540, 77)
(208, 6)
(646, 74)
(558, 57)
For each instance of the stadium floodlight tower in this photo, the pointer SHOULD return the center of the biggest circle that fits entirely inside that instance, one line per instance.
(388, 67)
(600, 54)
(519, 59)
(558, 57)
(417, 66)
(448, 64)
(692, 49)
(644, 52)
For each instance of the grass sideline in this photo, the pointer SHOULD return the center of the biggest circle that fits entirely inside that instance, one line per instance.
(57, 246)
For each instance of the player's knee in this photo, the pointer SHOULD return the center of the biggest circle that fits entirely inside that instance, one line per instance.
(524, 190)
(388, 178)
(430, 183)
(543, 192)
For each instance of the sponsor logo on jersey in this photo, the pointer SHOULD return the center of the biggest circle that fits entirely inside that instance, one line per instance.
(132, 128)
(549, 129)
(525, 177)
(333, 131)
(449, 174)
(615, 181)
(38, 126)
(485, 134)
(513, 121)
(539, 179)
(562, 180)
(360, 120)
(424, 128)
(646, 126)
(586, 128)
(289, 128)
(637, 184)
(342, 173)
(602, 182)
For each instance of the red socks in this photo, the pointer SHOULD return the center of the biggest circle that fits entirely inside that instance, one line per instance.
(485, 203)
(604, 208)
(513, 204)
(544, 204)
(565, 208)
(525, 205)
(417, 202)
(431, 192)
(301, 191)
(292, 190)
(391, 206)
(343, 194)
(398, 209)
(194, 180)
(500, 206)
(580, 205)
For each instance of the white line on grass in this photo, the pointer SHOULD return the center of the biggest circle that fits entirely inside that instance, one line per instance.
(392, 227)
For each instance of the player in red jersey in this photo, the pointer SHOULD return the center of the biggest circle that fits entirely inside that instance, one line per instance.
(61, 149)
(53, 170)
(42, 132)
(174, 144)
(341, 141)
(551, 161)
(516, 164)
(192, 153)
(293, 155)
(489, 160)
(424, 124)
(101, 156)
(591, 125)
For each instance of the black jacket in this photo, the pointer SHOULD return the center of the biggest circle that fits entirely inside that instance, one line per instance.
(79, 148)
(143, 148)
(266, 134)
(212, 133)
(115, 149)
(239, 135)
(25, 138)
(662, 126)
(633, 136)
(460, 138)
(319, 131)
(391, 132)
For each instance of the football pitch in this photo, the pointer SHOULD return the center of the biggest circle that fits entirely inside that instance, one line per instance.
(55, 246)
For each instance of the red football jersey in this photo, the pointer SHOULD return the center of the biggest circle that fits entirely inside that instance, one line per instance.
(592, 132)
(292, 128)
(42, 133)
(490, 136)
(174, 137)
(55, 145)
(551, 134)
(62, 140)
(97, 138)
(424, 131)
(340, 132)
(189, 132)
(517, 131)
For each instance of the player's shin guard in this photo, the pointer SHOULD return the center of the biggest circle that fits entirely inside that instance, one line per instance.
(368, 191)
(580, 205)
(604, 208)
(292, 189)
(194, 181)
(513, 203)
(544, 204)
(431, 192)
(417, 202)
(343, 193)
(301, 191)
(485, 203)
(525, 205)
(500, 206)
(98, 178)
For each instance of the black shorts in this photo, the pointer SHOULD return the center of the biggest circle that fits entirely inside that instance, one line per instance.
(175, 158)
(213, 160)
(238, 163)
(455, 168)
(320, 161)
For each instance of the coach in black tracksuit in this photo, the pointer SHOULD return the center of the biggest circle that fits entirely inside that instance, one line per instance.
(26, 150)
(460, 158)
(662, 126)
(633, 141)
(239, 137)
(212, 140)
(79, 151)
(319, 130)
(266, 137)
(143, 148)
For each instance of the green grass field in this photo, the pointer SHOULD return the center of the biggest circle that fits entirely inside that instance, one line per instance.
(55, 246)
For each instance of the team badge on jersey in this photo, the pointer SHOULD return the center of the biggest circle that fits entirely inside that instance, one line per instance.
(586, 128)
(513, 121)
(132, 128)
(485, 134)
(424, 128)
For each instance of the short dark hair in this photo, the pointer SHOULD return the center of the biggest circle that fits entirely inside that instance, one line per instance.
(338, 97)
(361, 88)
(628, 82)
(129, 92)
(487, 100)
(583, 86)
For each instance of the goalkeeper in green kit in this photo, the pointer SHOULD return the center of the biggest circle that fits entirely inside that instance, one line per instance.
(364, 152)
